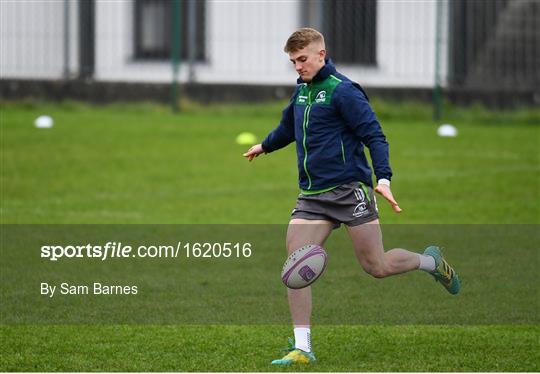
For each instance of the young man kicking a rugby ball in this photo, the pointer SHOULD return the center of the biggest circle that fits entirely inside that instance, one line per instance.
(331, 121)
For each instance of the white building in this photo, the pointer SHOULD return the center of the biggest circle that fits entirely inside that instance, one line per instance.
(487, 45)
(385, 43)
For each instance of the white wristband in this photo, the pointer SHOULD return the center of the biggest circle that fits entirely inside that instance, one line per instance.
(384, 181)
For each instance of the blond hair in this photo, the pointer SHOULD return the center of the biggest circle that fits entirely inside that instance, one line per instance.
(303, 37)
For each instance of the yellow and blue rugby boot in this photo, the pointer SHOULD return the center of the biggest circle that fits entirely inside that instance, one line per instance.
(443, 273)
(295, 356)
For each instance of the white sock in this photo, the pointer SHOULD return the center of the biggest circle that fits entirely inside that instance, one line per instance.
(427, 263)
(302, 338)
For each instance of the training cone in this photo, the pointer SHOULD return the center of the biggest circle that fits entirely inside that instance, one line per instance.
(447, 130)
(246, 138)
(44, 122)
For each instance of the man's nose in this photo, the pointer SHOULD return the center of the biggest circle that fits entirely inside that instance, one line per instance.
(298, 66)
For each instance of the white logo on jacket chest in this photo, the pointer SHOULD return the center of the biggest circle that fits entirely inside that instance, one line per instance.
(321, 97)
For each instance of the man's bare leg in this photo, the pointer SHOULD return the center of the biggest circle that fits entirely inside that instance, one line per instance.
(369, 250)
(299, 233)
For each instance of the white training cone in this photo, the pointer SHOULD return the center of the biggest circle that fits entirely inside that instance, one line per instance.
(44, 122)
(447, 130)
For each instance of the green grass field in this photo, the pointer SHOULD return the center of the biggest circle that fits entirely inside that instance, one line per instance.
(140, 164)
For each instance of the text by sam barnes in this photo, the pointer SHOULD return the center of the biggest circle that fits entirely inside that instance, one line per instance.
(95, 288)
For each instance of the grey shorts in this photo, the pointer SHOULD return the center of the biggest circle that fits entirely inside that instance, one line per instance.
(352, 204)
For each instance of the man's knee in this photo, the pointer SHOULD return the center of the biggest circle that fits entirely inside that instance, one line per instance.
(377, 270)
(295, 241)
(291, 246)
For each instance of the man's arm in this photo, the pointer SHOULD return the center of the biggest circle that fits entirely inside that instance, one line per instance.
(280, 137)
(283, 134)
(359, 116)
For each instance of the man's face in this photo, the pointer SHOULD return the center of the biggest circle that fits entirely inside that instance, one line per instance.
(308, 61)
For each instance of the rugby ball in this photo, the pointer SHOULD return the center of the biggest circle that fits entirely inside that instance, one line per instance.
(304, 266)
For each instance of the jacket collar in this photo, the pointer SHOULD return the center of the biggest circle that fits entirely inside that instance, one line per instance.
(327, 70)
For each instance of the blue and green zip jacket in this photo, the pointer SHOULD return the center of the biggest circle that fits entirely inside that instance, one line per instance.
(331, 120)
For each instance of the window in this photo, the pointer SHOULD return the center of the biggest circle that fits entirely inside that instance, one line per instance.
(153, 26)
(349, 28)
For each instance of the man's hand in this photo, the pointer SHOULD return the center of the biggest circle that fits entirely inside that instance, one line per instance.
(384, 190)
(253, 152)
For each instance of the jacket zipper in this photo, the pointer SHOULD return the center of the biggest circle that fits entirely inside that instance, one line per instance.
(305, 125)
(343, 152)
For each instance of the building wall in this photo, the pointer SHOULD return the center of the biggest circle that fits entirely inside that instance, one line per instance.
(406, 33)
(32, 38)
(244, 43)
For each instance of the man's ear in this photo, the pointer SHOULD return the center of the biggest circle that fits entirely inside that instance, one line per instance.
(322, 54)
